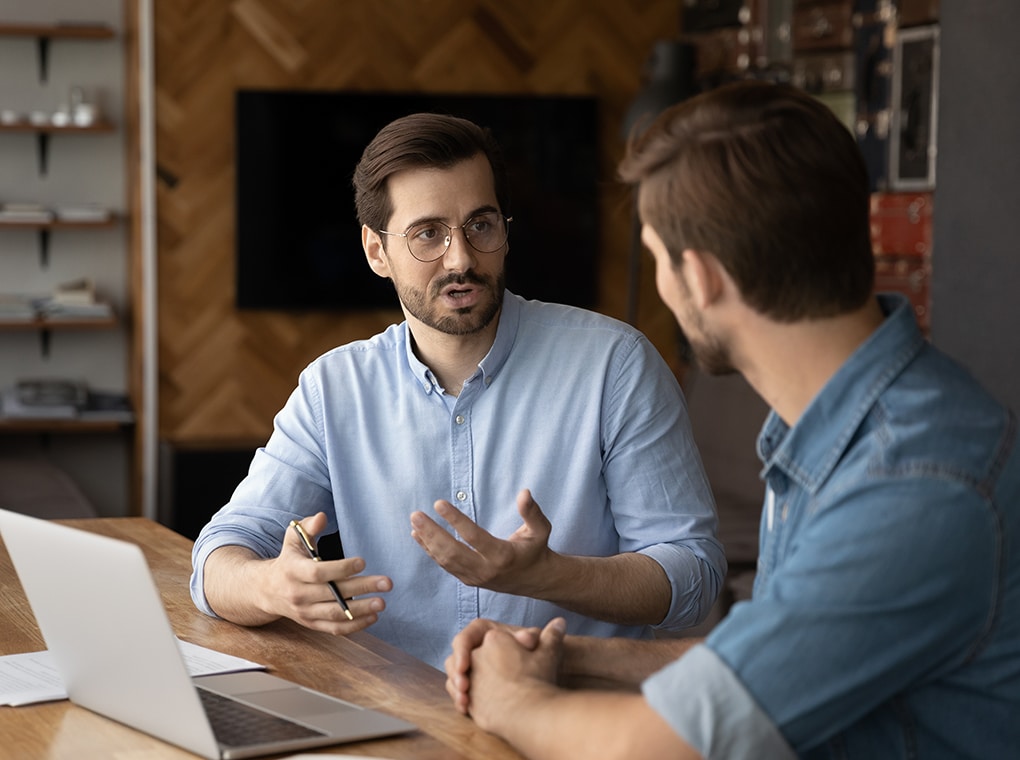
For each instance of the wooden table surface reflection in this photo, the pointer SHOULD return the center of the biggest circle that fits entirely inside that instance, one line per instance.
(360, 668)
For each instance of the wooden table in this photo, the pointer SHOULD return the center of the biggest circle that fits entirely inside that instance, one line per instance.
(360, 668)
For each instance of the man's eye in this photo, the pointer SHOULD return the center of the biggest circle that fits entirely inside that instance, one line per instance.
(425, 233)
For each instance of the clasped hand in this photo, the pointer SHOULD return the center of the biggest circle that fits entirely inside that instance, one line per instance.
(494, 668)
(513, 565)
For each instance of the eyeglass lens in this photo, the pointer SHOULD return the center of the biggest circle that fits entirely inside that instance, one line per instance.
(486, 233)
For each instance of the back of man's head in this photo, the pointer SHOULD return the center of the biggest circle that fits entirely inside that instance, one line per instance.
(421, 141)
(767, 179)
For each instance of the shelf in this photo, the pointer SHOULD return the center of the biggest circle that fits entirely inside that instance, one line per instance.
(45, 228)
(43, 33)
(42, 134)
(66, 31)
(93, 323)
(26, 126)
(19, 425)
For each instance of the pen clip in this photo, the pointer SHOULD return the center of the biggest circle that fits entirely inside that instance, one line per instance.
(314, 554)
(309, 546)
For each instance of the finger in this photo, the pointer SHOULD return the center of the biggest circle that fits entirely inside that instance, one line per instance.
(435, 540)
(532, 514)
(527, 637)
(553, 633)
(466, 528)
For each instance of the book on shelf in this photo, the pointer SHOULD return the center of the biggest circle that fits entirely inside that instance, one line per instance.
(17, 307)
(51, 392)
(108, 406)
(63, 399)
(15, 409)
(83, 213)
(25, 213)
(73, 300)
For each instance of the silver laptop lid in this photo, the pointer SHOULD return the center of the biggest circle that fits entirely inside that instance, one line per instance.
(105, 626)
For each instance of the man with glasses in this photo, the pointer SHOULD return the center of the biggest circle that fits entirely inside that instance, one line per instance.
(483, 405)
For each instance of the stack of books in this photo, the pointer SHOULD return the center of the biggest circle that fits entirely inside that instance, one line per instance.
(73, 300)
(17, 307)
(25, 213)
(63, 399)
(85, 213)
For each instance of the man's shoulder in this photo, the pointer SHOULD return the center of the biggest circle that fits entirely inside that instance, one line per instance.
(382, 345)
(567, 317)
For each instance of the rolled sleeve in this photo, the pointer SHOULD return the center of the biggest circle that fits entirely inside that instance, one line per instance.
(706, 704)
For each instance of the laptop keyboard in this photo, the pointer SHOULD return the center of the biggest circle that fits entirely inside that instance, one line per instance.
(239, 725)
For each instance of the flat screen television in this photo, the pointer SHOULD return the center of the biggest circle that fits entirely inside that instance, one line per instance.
(298, 239)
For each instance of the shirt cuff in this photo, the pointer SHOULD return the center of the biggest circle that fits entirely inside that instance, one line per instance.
(706, 704)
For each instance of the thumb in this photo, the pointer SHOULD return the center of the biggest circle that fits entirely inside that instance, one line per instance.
(311, 527)
(531, 513)
(315, 524)
(553, 633)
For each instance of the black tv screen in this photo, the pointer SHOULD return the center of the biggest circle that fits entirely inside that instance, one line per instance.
(298, 238)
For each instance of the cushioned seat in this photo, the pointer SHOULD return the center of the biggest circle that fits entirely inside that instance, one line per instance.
(34, 486)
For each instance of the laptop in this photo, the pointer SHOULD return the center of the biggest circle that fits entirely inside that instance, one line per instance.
(104, 624)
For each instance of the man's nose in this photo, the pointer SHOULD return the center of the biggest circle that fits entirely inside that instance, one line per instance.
(460, 256)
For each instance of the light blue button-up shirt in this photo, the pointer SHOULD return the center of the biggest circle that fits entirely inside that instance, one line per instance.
(576, 406)
(885, 619)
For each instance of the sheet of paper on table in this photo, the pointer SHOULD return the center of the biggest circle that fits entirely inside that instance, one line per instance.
(31, 677)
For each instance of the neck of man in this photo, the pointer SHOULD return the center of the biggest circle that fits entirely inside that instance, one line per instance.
(452, 358)
(788, 364)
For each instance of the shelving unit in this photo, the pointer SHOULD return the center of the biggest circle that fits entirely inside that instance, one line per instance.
(73, 170)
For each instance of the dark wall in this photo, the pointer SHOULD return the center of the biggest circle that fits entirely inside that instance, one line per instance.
(975, 309)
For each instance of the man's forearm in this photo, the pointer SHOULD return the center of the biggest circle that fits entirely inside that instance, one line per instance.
(630, 588)
(617, 664)
(558, 724)
(232, 586)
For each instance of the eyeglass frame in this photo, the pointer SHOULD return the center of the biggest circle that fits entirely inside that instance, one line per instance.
(467, 238)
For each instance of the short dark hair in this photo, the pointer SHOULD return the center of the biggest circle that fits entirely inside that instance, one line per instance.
(421, 140)
(767, 179)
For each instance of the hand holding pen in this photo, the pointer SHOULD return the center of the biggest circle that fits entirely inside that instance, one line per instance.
(314, 554)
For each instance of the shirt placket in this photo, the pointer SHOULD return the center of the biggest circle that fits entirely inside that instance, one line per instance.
(462, 489)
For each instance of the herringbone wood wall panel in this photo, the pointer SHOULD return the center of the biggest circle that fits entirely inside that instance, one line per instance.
(224, 373)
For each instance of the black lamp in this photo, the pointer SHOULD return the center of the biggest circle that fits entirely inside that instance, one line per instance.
(669, 79)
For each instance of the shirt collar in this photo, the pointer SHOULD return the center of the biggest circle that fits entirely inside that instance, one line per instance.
(506, 335)
(809, 452)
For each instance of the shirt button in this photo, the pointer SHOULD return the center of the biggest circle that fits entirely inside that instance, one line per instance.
(461, 496)
(459, 419)
(488, 381)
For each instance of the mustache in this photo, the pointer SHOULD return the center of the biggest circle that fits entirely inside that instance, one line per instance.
(462, 278)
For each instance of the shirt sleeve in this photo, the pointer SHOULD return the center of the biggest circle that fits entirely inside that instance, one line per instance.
(661, 501)
(287, 480)
(705, 703)
(880, 591)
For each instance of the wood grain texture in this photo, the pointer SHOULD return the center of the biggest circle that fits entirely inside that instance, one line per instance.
(224, 374)
(359, 668)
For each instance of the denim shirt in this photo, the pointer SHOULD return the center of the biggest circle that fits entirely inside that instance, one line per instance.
(885, 617)
(578, 407)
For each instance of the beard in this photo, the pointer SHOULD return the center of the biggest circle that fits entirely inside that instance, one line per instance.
(464, 321)
(709, 352)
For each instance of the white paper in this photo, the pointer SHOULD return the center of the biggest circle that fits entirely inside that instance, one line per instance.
(31, 677)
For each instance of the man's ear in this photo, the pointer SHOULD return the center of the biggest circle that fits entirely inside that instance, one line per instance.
(703, 275)
(371, 241)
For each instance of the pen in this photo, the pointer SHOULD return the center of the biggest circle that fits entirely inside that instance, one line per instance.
(315, 555)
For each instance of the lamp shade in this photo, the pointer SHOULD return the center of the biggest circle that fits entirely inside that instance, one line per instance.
(669, 79)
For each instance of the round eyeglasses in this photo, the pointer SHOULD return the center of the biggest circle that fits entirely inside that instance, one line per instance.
(428, 241)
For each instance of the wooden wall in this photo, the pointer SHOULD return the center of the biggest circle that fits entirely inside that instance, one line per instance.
(222, 373)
